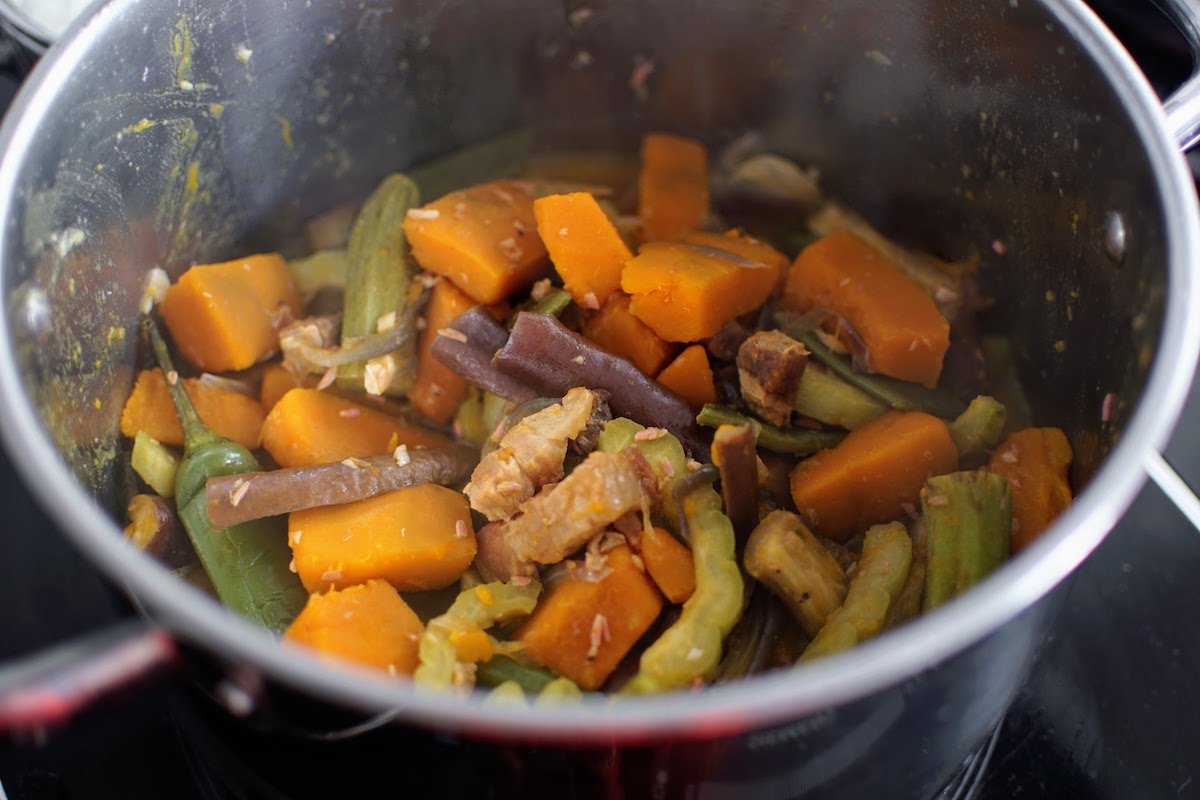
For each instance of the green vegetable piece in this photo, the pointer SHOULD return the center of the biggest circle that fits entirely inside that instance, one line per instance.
(558, 690)
(908, 603)
(499, 669)
(324, 269)
(900, 395)
(750, 646)
(247, 563)
(378, 274)
(155, 463)
(468, 419)
(827, 398)
(877, 581)
(785, 556)
(474, 609)
(506, 695)
(691, 647)
(553, 302)
(502, 157)
(968, 522)
(794, 441)
(979, 428)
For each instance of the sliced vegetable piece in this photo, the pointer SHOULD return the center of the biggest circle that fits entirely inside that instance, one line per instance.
(484, 239)
(872, 473)
(672, 185)
(977, 429)
(906, 336)
(247, 563)
(686, 289)
(230, 413)
(877, 581)
(225, 317)
(234, 499)
(437, 390)
(691, 377)
(795, 441)
(544, 354)
(154, 464)
(585, 247)
(155, 529)
(668, 563)
(827, 398)
(308, 427)
(1036, 462)
(617, 330)
(445, 662)
(900, 395)
(908, 603)
(324, 269)
(968, 522)
(499, 669)
(785, 556)
(377, 278)
(368, 624)
(583, 627)
(734, 455)
(416, 538)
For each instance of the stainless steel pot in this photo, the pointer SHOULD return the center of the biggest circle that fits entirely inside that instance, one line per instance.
(168, 132)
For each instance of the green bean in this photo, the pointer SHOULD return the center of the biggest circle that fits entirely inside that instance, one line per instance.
(877, 581)
(785, 556)
(247, 563)
(979, 428)
(829, 399)
(473, 610)
(968, 522)
(794, 441)
(500, 669)
(553, 303)
(378, 273)
(901, 395)
(691, 648)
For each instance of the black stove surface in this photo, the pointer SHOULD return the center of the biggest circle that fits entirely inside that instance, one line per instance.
(1111, 712)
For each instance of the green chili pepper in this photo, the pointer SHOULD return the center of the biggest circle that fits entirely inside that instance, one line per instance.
(247, 563)
(691, 648)
(795, 441)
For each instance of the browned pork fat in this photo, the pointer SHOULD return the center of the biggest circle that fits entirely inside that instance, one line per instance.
(770, 365)
(560, 520)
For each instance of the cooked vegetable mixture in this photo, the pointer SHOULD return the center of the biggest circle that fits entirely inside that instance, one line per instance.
(558, 437)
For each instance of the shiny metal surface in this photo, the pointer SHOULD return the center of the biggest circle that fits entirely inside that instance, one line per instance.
(166, 133)
(1183, 106)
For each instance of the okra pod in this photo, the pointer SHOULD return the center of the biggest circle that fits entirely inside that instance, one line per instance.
(968, 523)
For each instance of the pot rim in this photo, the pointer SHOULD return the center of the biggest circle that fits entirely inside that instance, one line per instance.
(720, 710)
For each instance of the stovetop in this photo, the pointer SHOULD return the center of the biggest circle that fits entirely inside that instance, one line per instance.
(1111, 712)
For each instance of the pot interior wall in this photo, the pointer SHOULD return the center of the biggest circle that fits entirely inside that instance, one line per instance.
(181, 133)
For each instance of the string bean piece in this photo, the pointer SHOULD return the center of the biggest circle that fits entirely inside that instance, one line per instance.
(247, 563)
(794, 441)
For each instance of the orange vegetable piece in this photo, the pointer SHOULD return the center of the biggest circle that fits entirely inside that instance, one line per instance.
(581, 629)
(905, 334)
(1035, 461)
(690, 376)
(368, 624)
(416, 538)
(226, 316)
(584, 245)
(482, 238)
(227, 411)
(687, 288)
(669, 564)
(618, 331)
(868, 477)
(308, 427)
(437, 390)
(672, 185)
(278, 380)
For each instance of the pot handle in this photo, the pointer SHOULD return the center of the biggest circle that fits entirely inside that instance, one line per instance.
(46, 689)
(1174, 487)
(1182, 107)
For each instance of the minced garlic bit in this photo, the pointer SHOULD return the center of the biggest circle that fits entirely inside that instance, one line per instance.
(563, 231)
(154, 291)
(649, 434)
(460, 529)
(401, 456)
(540, 289)
(296, 534)
(577, 360)
(600, 634)
(693, 465)
(427, 279)
(590, 301)
(331, 575)
(379, 372)
(349, 413)
(695, 654)
(1009, 456)
(519, 227)
(668, 468)
(424, 213)
(354, 463)
(240, 487)
(172, 377)
(638, 562)
(450, 333)
(391, 670)
(292, 566)
(511, 249)
(521, 580)
(327, 379)
(385, 322)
